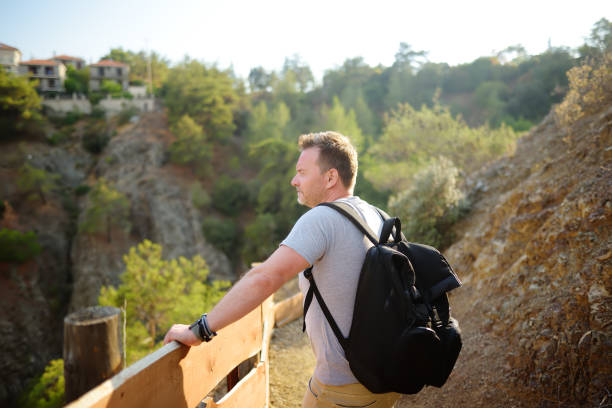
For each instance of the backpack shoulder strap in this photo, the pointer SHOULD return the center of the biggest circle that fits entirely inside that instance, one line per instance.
(349, 212)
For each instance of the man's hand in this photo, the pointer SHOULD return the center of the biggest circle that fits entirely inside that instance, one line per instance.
(182, 334)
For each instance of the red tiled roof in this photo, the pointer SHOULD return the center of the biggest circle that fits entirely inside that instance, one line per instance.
(7, 47)
(39, 62)
(68, 57)
(109, 63)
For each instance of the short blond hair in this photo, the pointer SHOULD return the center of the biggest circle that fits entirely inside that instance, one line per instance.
(335, 152)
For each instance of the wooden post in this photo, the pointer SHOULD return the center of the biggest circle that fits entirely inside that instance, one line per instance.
(92, 349)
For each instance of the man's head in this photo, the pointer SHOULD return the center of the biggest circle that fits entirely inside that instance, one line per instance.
(326, 169)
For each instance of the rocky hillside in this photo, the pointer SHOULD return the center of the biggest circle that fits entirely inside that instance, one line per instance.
(535, 256)
(68, 273)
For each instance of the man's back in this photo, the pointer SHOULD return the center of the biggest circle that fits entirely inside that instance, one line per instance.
(337, 249)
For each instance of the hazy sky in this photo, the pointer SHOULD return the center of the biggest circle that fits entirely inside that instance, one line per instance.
(246, 34)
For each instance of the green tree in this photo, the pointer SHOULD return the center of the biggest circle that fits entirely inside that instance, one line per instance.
(264, 124)
(413, 139)
(229, 195)
(36, 182)
(19, 103)
(46, 391)
(204, 93)
(140, 63)
(111, 87)
(338, 119)
(191, 147)
(159, 292)
(107, 207)
(77, 81)
(16, 246)
(599, 42)
(260, 80)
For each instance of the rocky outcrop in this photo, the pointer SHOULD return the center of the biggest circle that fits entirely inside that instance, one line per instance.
(535, 257)
(161, 210)
(34, 295)
(72, 266)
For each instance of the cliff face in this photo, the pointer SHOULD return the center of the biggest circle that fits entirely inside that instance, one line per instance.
(535, 257)
(161, 211)
(68, 273)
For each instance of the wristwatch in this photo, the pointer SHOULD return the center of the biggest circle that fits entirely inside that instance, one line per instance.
(202, 330)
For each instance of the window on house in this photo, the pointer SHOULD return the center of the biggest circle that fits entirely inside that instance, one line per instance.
(48, 70)
(51, 83)
(33, 70)
(119, 71)
(101, 71)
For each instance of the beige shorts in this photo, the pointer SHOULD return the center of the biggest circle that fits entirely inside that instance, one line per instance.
(319, 395)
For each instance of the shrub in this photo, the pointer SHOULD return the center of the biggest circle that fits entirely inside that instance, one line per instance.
(71, 118)
(229, 195)
(222, 234)
(82, 189)
(57, 138)
(126, 114)
(97, 112)
(412, 139)
(590, 89)
(200, 197)
(16, 246)
(96, 137)
(46, 391)
(432, 205)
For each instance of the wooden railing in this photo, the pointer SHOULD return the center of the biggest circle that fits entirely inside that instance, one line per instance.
(181, 376)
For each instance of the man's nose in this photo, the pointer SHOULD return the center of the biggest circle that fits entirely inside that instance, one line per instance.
(294, 181)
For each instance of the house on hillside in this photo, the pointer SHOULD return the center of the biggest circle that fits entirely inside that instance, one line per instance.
(108, 70)
(76, 62)
(10, 58)
(51, 74)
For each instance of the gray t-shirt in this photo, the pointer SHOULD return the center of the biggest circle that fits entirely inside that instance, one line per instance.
(336, 248)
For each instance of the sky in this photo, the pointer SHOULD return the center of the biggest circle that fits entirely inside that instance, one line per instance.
(323, 33)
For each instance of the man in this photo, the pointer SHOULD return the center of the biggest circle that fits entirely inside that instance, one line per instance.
(326, 171)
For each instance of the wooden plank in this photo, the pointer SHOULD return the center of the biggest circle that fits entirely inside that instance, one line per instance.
(249, 392)
(288, 310)
(177, 375)
(267, 312)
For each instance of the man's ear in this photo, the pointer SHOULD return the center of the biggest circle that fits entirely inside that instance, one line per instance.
(332, 178)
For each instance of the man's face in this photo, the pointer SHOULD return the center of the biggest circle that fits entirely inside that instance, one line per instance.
(309, 181)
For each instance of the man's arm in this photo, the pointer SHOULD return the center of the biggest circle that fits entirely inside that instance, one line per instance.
(250, 291)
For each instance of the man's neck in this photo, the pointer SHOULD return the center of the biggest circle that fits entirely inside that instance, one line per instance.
(336, 195)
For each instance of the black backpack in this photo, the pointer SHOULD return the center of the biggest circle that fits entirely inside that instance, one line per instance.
(402, 336)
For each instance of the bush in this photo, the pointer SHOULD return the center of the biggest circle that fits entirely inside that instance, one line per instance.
(229, 195)
(200, 197)
(432, 205)
(97, 112)
(96, 137)
(57, 138)
(222, 234)
(82, 189)
(18, 246)
(46, 391)
(126, 114)
(590, 90)
(71, 118)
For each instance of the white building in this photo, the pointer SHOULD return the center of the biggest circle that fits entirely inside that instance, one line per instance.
(10, 58)
(50, 74)
(110, 71)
